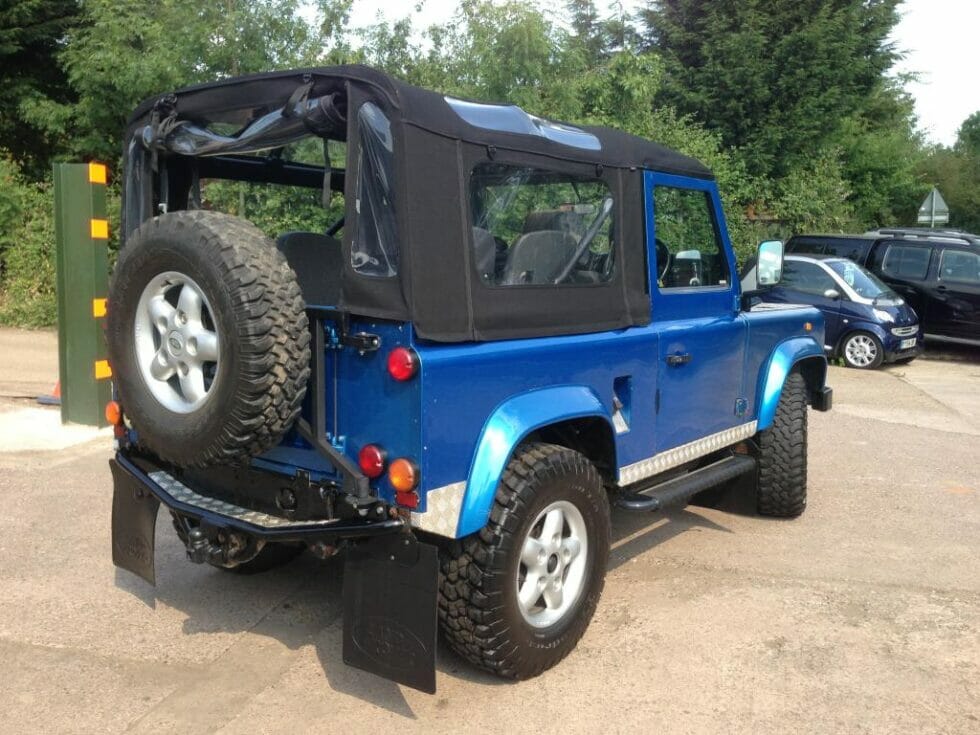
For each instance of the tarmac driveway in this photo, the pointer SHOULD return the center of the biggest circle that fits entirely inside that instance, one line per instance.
(861, 616)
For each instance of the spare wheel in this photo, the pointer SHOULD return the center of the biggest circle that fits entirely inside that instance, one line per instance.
(208, 338)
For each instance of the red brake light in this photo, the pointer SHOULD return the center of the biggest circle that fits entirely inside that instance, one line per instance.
(403, 363)
(372, 458)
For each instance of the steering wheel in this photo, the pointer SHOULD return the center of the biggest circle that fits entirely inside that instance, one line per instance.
(663, 256)
(604, 211)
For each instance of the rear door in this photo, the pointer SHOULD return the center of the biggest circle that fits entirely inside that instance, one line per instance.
(956, 304)
(695, 309)
(904, 266)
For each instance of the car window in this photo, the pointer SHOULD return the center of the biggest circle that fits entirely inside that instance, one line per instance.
(960, 266)
(806, 277)
(809, 245)
(538, 227)
(374, 249)
(690, 253)
(851, 249)
(906, 261)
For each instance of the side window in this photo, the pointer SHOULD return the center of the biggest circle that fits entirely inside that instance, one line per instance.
(690, 252)
(906, 261)
(538, 227)
(374, 250)
(806, 278)
(850, 249)
(960, 266)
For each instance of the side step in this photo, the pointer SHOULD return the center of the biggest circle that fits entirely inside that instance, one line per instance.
(679, 490)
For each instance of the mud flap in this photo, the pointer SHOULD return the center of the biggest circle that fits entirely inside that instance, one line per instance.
(390, 617)
(134, 522)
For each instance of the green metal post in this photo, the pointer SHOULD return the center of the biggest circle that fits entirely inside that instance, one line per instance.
(82, 259)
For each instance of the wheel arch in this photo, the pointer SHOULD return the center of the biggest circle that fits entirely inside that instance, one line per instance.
(856, 327)
(798, 353)
(572, 416)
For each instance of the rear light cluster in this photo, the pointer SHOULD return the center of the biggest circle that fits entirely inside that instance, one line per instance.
(403, 474)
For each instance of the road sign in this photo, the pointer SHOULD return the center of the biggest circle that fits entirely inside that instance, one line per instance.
(934, 210)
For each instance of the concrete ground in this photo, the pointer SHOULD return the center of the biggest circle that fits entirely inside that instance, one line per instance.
(861, 616)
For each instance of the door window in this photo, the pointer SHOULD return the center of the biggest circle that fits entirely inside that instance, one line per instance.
(806, 278)
(906, 261)
(960, 266)
(690, 252)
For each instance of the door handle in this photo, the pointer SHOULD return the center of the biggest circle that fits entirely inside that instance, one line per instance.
(677, 360)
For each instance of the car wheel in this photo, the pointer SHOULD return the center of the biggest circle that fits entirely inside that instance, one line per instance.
(208, 338)
(516, 597)
(781, 475)
(862, 350)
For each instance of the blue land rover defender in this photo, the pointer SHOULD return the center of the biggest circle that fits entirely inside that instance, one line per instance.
(510, 325)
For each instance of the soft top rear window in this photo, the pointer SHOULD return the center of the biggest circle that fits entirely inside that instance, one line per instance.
(374, 249)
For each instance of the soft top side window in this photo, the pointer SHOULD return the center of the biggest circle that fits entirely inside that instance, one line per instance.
(537, 227)
(375, 248)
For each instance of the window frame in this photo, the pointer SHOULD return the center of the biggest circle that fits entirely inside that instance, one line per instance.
(724, 248)
(925, 248)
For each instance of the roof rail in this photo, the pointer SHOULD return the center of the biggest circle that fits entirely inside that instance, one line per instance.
(924, 232)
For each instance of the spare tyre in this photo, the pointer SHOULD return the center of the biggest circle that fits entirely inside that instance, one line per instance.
(208, 338)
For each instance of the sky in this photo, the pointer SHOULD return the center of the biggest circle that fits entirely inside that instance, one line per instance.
(937, 36)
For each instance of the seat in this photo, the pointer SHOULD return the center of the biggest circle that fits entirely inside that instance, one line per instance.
(538, 257)
(318, 262)
(485, 249)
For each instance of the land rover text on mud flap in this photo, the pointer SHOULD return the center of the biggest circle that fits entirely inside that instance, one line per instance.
(509, 325)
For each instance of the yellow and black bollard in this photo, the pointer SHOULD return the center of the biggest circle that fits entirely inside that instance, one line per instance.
(82, 261)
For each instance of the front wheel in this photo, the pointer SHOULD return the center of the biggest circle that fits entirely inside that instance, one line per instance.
(862, 350)
(516, 597)
(781, 478)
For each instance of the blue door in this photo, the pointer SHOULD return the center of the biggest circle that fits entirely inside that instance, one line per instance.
(694, 296)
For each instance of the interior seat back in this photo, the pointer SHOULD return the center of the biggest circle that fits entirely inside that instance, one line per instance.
(539, 257)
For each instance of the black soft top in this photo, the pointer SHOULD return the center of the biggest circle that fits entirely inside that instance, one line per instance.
(241, 99)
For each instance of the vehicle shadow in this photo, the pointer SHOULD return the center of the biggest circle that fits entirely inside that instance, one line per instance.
(300, 604)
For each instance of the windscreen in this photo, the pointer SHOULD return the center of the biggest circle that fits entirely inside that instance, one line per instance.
(865, 284)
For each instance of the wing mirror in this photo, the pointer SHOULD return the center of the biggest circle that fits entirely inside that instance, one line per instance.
(831, 293)
(769, 268)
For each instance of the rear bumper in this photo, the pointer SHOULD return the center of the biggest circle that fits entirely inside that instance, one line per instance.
(390, 578)
(184, 501)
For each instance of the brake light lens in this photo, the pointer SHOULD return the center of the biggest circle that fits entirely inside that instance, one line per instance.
(403, 363)
(403, 475)
(371, 459)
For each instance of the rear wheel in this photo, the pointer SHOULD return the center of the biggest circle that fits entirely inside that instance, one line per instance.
(516, 597)
(862, 350)
(781, 479)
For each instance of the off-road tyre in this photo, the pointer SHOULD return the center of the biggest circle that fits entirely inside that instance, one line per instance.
(478, 607)
(263, 335)
(781, 478)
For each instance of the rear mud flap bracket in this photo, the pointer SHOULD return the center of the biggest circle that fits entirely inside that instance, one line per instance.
(390, 614)
(134, 522)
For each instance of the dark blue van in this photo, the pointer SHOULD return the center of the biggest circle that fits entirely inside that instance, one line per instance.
(867, 323)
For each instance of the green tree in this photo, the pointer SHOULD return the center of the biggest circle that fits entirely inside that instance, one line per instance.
(32, 35)
(775, 78)
(127, 50)
(956, 172)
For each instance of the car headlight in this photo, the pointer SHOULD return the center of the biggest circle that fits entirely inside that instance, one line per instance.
(884, 315)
